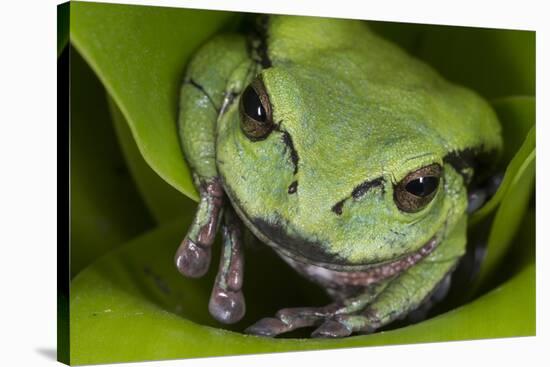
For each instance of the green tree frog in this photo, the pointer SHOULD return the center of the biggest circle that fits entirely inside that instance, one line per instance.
(355, 162)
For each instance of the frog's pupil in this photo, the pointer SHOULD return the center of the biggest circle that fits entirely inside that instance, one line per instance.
(422, 186)
(252, 105)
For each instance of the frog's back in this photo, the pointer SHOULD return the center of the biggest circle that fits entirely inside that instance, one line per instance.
(363, 86)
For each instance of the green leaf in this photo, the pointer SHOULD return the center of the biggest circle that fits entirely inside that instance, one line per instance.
(131, 306)
(508, 205)
(517, 115)
(106, 209)
(520, 253)
(511, 210)
(163, 201)
(139, 53)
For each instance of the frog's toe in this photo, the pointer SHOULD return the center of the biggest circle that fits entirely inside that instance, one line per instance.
(192, 260)
(227, 307)
(267, 326)
(331, 329)
(226, 300)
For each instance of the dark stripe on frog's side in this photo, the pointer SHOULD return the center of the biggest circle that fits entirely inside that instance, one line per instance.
(294, 157)
(287, 139)
(257, 40)
(479, 160)
(362, 188)
(311, 250)
(359, 191)
(203, 91)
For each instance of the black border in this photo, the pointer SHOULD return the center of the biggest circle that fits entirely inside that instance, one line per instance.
(63, 184)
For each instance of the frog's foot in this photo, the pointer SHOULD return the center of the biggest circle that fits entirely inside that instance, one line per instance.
(289, 319)
(193, 255)
(332, 321)
(327, 317)
(227, 301)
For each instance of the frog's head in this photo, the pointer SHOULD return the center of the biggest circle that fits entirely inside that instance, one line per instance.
(345, 160)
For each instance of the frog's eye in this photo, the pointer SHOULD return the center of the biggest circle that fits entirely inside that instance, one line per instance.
(417, 189)
(255, 111)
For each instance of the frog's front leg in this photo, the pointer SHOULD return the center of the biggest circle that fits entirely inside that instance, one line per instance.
(200, 98)
(213, 80)
(194, 253)
(203, 92)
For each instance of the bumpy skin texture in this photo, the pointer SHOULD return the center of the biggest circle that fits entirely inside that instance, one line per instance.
(353, 116)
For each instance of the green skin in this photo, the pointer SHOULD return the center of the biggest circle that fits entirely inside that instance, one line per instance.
(353, 116)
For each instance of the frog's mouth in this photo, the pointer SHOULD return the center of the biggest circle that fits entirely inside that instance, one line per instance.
(358, 275)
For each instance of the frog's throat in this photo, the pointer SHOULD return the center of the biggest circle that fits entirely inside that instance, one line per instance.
(378, 270)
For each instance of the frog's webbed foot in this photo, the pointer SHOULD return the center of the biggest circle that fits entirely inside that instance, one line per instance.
(227, 301)
(289, 319)
(328, 318)
(193, 255)
(333, 321)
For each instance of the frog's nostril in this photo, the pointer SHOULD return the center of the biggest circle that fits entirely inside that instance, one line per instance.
(337, 208)
(293, 187)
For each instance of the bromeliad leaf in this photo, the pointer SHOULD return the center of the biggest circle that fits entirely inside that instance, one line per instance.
(508, 205)
(106, 208)
(129, 306)
(164, 201)
(517, 115)
(139, 54)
